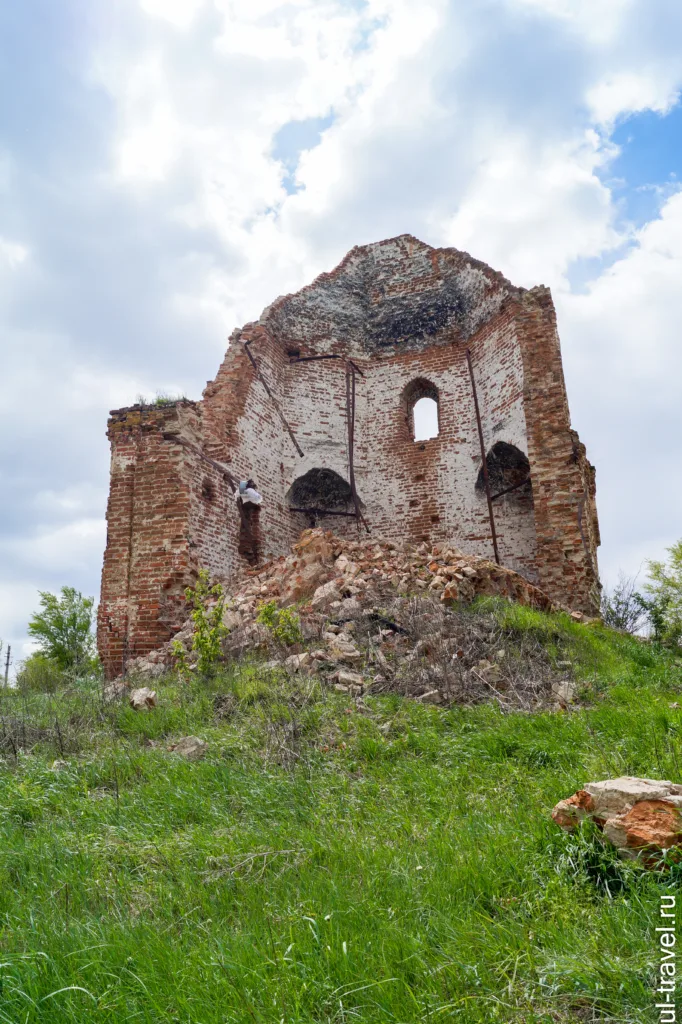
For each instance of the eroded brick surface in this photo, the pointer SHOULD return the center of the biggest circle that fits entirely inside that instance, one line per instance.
(404, 313)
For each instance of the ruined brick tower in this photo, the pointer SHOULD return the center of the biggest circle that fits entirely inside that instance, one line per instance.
(316, 402)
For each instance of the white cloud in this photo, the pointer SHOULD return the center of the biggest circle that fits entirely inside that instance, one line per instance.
(531, 211)
(623, 365)
(12, 254)
(631, 91)
(179, 13)
(598, 20)
(69, 549)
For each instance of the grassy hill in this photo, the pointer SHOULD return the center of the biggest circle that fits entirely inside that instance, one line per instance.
(331, 860)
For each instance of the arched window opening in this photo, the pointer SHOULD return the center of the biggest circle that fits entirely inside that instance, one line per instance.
(420, 400)
(508, 471)
(321, 490)
(425, 415)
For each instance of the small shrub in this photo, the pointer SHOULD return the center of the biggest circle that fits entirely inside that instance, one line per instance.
(663, 604)
(63, 629)
(622, 607)
(208, 604)
(179, 656)
(283, 623)
(40, 674)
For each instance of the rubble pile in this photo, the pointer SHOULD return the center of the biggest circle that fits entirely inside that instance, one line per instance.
(328, 570)
(383, 616)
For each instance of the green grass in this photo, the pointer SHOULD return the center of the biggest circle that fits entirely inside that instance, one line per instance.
(321, 865)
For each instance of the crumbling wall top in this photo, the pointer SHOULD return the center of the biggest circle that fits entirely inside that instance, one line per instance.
(396, 293)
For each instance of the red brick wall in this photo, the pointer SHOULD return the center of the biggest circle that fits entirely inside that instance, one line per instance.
(563, 480)
(147, 561)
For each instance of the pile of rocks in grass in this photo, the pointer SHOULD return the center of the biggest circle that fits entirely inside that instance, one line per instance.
(391, 616)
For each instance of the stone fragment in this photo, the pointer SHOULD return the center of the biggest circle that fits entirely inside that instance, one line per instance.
(488, 671)
(641, 817)
(231, 618)
(304, 583)
(350, 608)
(115, 690)
(344, 651)
(325, 595)
(150, 667)
(564, 691)
(190, 747)
(297, 662)
(346, 678)
(315, 546)
(431, 697)
(143, 698)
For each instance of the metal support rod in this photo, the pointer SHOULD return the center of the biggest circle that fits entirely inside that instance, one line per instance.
(350, 417)
(486, 478)
(313, 359)
(324, 512)
(272, 398)
(197, 451)
(508, 490)
(310, 359)
(222, 470)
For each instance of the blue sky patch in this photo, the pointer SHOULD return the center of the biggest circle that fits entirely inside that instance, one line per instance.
(293, 139)
(649, 166)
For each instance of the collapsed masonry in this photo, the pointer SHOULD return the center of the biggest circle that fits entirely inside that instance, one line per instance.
(316, 403)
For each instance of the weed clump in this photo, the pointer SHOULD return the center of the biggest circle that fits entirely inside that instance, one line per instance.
(283, 623)
(208, 605)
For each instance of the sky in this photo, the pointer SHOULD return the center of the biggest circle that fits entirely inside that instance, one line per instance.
(169, 167)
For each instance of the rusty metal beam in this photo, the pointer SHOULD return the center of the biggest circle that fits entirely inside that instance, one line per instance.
(197, 451)
(221, 469)
(350, 418)
(508, 490)
(309, 359)
(272, 398)
(324, 512)
(486, 478)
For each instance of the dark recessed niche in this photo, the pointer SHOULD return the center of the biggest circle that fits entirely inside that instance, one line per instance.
(321, 488)
(208, 490)
(508, 468)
